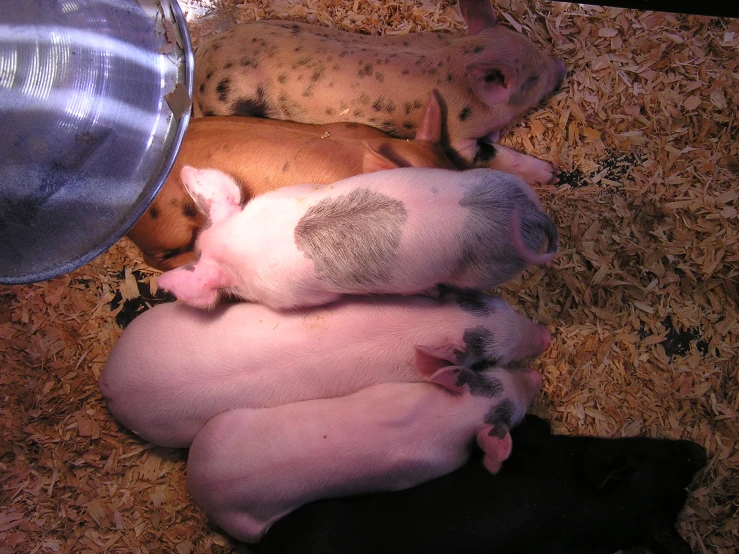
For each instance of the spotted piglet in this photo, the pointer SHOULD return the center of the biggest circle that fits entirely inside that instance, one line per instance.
(399, 231)
(287, 70)
(248, 468)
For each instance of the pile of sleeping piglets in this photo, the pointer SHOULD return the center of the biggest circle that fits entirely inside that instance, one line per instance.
(342, 379)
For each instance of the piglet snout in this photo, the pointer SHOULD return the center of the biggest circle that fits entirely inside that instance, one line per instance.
(532, 384)
(544, 338)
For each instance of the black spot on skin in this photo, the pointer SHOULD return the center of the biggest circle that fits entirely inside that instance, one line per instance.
(485, 153)
(309, 91)
(202, 88)
(249, 61)
(282, 78)
(208, 75)
(305, 60)
(297, 49)
(329, 111)
(380, 77)
(478, 346)
(154, 212)
(228, 65)
(295, 30)
(480, 384)
(174, 202)
(190, 209)
(365, 71)
(501, 418)
(469, 300)
(317, 75)
(449, 77)
(209, 113)
(409, 125)
(464, 114)
(254, 107)
(358, 113)
(389, 128)
(364, 99)
(223, 89)
(406, 71)
(285, 167)
(478, 49)
(383, 104)
(352, 239)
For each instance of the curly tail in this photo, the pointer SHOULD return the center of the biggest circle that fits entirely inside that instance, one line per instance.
(549, 230)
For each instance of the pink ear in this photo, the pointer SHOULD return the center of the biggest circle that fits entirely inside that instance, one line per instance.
(429, 360)
(492, 82)
(215, 193)
(430, 128)
(478, 14)
(497, 448)
(375, 161)
(451, 377)
(196, 285)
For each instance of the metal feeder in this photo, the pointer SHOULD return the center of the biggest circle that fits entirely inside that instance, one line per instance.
(87, 136)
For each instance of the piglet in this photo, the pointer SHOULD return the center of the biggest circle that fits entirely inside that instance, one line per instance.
(247, 468)
(556, 494)
(175, 367)
(486, 78)
(265, 154)
(399, 231)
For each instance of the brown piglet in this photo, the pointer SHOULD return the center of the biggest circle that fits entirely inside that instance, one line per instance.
(263, 155)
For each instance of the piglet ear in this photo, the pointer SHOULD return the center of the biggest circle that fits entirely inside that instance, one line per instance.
(430, 359)
(374, 160)
(215, 194)
(495, 441)
(194, 284)
(453, 378)
(478, 14)
(430, 128)
(493, 83)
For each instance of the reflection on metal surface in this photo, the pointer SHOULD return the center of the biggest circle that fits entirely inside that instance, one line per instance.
(88, 138)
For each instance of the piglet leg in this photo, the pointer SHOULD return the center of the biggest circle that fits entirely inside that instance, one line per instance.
(495, 442)
(532, 170)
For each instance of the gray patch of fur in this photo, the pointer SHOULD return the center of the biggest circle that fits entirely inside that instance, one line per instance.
(500, 417)
(480, 384)
(478, 346)
(352, 239)
(487, 255)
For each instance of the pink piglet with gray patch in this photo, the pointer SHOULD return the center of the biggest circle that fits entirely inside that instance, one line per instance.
(247, 468)
(399, 231)
(287, 70)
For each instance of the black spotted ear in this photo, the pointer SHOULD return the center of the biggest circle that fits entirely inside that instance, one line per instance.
(602, 466)
(664, 539)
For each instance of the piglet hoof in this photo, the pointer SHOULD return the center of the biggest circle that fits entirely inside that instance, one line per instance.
(540, 172)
